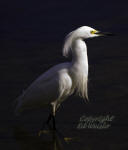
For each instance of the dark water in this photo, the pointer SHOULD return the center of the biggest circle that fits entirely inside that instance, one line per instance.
(31, 36)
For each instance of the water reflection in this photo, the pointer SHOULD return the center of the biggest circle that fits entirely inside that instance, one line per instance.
(47, 141)
(88, 140)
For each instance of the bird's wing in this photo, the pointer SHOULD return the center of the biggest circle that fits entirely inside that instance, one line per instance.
(44, 90)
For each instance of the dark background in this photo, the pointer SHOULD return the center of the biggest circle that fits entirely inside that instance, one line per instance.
(31, 36)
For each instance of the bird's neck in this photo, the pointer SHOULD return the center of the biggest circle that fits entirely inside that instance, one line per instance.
(79, 55)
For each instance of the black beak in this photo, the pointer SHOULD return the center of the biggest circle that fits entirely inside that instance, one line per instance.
(104, 33)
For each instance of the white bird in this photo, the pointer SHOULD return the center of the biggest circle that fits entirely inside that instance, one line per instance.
(59, 82)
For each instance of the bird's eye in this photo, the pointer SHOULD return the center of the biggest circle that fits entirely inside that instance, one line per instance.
(93, 31)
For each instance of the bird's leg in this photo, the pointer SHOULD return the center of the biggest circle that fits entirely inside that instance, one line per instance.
(49, 118)
(52, 116)
(54, 123)
(54, 107)
(66, 139)
(42, 130)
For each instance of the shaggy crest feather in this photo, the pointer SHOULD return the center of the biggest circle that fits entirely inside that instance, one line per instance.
(68, 44)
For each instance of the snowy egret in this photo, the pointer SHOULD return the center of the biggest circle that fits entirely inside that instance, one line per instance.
(59, 82)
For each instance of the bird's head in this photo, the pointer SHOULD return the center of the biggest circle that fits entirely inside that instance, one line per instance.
(86, 32)
(83, 32)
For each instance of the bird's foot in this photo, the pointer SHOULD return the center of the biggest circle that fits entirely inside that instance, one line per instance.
(43, 132)
(46, 129)
(68, 139)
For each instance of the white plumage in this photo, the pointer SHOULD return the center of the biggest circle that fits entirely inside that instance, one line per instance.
(55, 85)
